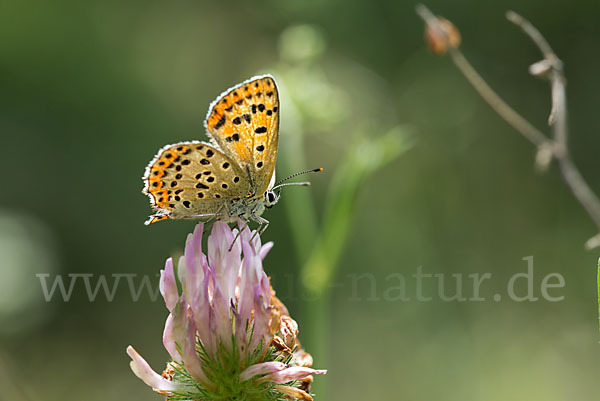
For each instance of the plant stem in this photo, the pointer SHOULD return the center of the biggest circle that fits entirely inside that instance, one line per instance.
(318, 337)
(513, 118)
(599, 293)
(557, 147)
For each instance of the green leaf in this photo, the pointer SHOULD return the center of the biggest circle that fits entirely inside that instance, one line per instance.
(365, 157)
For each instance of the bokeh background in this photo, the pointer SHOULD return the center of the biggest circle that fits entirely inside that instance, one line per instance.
(90, 90)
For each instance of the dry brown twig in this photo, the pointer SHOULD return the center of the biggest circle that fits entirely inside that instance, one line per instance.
(443, 37)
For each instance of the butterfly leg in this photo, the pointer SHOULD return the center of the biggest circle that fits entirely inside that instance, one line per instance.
(209, 223)
(266, 225)
(207, 226)
(237, 235)
(199, 216)
(212, 217)
(263, 224)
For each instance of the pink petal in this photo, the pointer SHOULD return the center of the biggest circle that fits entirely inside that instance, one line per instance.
(247, 282)
(191, 360)
(261, 369)
(175, 333)
(255, 292)
(289, 374)
(168, 285)
(264, 250)
(224, 263)
(221, 307)
(188, 275)
(240, 332)
(247, 245)
(265, 287)
(250, 239)
(262, 314)
(204, 318)
(195, 267)
(169, 339)
(193, 244)
(142, 370)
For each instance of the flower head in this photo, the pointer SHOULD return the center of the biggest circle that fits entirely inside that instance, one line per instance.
(228, 335)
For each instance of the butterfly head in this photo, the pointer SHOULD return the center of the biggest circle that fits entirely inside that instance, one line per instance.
(271, 198)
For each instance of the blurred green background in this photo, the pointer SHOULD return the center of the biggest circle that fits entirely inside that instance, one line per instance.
(89, 90)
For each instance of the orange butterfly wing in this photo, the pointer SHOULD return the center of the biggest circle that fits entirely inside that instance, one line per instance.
(244, 123)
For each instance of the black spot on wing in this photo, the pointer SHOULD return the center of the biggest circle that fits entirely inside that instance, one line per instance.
(221, 122)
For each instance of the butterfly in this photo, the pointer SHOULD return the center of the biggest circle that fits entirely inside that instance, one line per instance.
(231, 177)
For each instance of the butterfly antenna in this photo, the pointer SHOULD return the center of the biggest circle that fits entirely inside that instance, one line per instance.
(303, 184)
(314, 170)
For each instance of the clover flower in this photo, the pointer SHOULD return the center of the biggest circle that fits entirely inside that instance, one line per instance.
(229, 336)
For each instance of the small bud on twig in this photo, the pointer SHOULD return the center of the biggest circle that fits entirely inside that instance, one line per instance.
(440, 35)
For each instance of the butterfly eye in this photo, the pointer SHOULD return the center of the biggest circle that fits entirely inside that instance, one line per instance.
(270, 198)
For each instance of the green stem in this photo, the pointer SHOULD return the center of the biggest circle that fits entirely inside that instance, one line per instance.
(363, 159)
(320, 249)
(317, 337)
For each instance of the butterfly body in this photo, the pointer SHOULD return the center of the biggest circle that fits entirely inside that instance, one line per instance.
(231, 177)
(246, 209)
